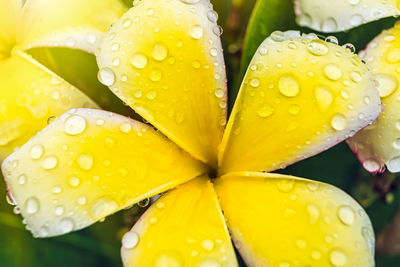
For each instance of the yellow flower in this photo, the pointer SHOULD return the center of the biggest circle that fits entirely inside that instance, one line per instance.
(377, 146)
(31, 93)
(299, 97)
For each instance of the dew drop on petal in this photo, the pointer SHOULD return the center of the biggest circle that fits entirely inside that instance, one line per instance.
(346, 215)
(333, 72)
(139, 61)
(37, 151)
(74, 125)
(130, 240)
(32, 205)
(196, 32)
(288, 86)
(106, 76)
(339, 122)
(338, 258)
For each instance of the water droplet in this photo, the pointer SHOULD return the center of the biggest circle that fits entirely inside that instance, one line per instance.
(324, 97)
(219, 93)
(332, 40)
(355, 76)
(294, 109)
(213, 52)
(313, 211)
(333, 72)
(212, 15)
(155, 75)
(289, 86)
(74, 125)
(254, 82)
(286, 185)
(59, 211)
(394, 164)
(49, 163)
(170, 259)
(106, 76)
(338, 258)
(125, 127)
(37, 151)
(318, 47)
(196, 32)
(356, 19)
(74, 181)
(130, 240)
(103, 207)
(207, 244)
(66, 225)
(329, 25)
(209, 263)
(394, 55)
(139, 61)
(144, 203)
(22, 179)
(265, 111)
(32, 205)
(160, 52)
(339, 122)
(346, 215)
(126, 23)
(56, 190)
(85, 161)
(386, 84)
(371, 165)
(81, 200)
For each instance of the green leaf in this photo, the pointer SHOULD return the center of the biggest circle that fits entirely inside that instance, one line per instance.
(389, 261)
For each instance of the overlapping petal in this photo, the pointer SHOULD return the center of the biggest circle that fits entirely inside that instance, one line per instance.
(164, 59)
(183, 228)
(88, 164)
(379, 144)
(300, 96)
(278, 220)
(30, 95)
(68, 23)
(324, 16)
(9, 24)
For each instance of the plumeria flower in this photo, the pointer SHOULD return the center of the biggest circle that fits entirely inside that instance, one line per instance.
(300, 96)
(377, 146)
(31, 93)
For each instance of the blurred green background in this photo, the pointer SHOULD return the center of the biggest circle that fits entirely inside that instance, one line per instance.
(246, 24)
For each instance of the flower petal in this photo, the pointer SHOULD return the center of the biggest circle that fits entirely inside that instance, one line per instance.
(9, 24)
(68, 23)
(324, 16)
(183, 228)
(88, 164)
(300, 96)
(279, 220)
(30, 95)
(379, 144)
(166, 61)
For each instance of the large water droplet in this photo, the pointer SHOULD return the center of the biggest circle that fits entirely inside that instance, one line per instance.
(74, 125)
(338, 258)
(85, 161)
(130, 240)
(160, 52)
(333, 72)
(289, 86)
(106, 76)
(386, 84)
(318, 47)
(49, 163)
(339, 122)
(37, 151)
(32, 205)
(66, 225)
(346, 215)
(394, 164)
(139, 61)
(196, 32)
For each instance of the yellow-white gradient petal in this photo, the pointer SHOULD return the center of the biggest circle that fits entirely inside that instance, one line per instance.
(9, 24)
(30, 96)
(300, 96)
(183, 228)
(76, 24)
(379, 144)
(278, 220)
(164, 59)
(88, 164)
(341, 15)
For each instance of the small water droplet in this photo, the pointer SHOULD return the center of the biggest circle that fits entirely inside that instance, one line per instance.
(106, 76)
(74, 125)
(196, 32)
(386, 84)
(338, 258)
(130, 240)
(333, 72)
(265, 111)
(125, 127)
(32, 205)
(139, 61)
(49, 162)
(22, 179)
(85, 161)
(37, 151)
(207, 244)
(339, 122)
(318, 47)
(289, 86)
(160, 52)
(346, 215)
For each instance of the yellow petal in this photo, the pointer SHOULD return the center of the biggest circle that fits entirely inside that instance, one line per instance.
(30, 96)
(324, 16)
(379, 144)
(299, 97)
(278, 220)
(68, 23)
(170, 69)
(9, 24)
(88, 164)
(183, 228)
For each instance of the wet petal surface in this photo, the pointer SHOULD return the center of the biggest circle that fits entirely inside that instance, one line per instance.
(183, 228)
(164, 59)
(278, 220)
(88, 164)
(324, 16)
(379, 144)
(300, 96)
(31, 95)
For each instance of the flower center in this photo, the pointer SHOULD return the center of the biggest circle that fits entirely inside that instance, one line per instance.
(212, 173)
